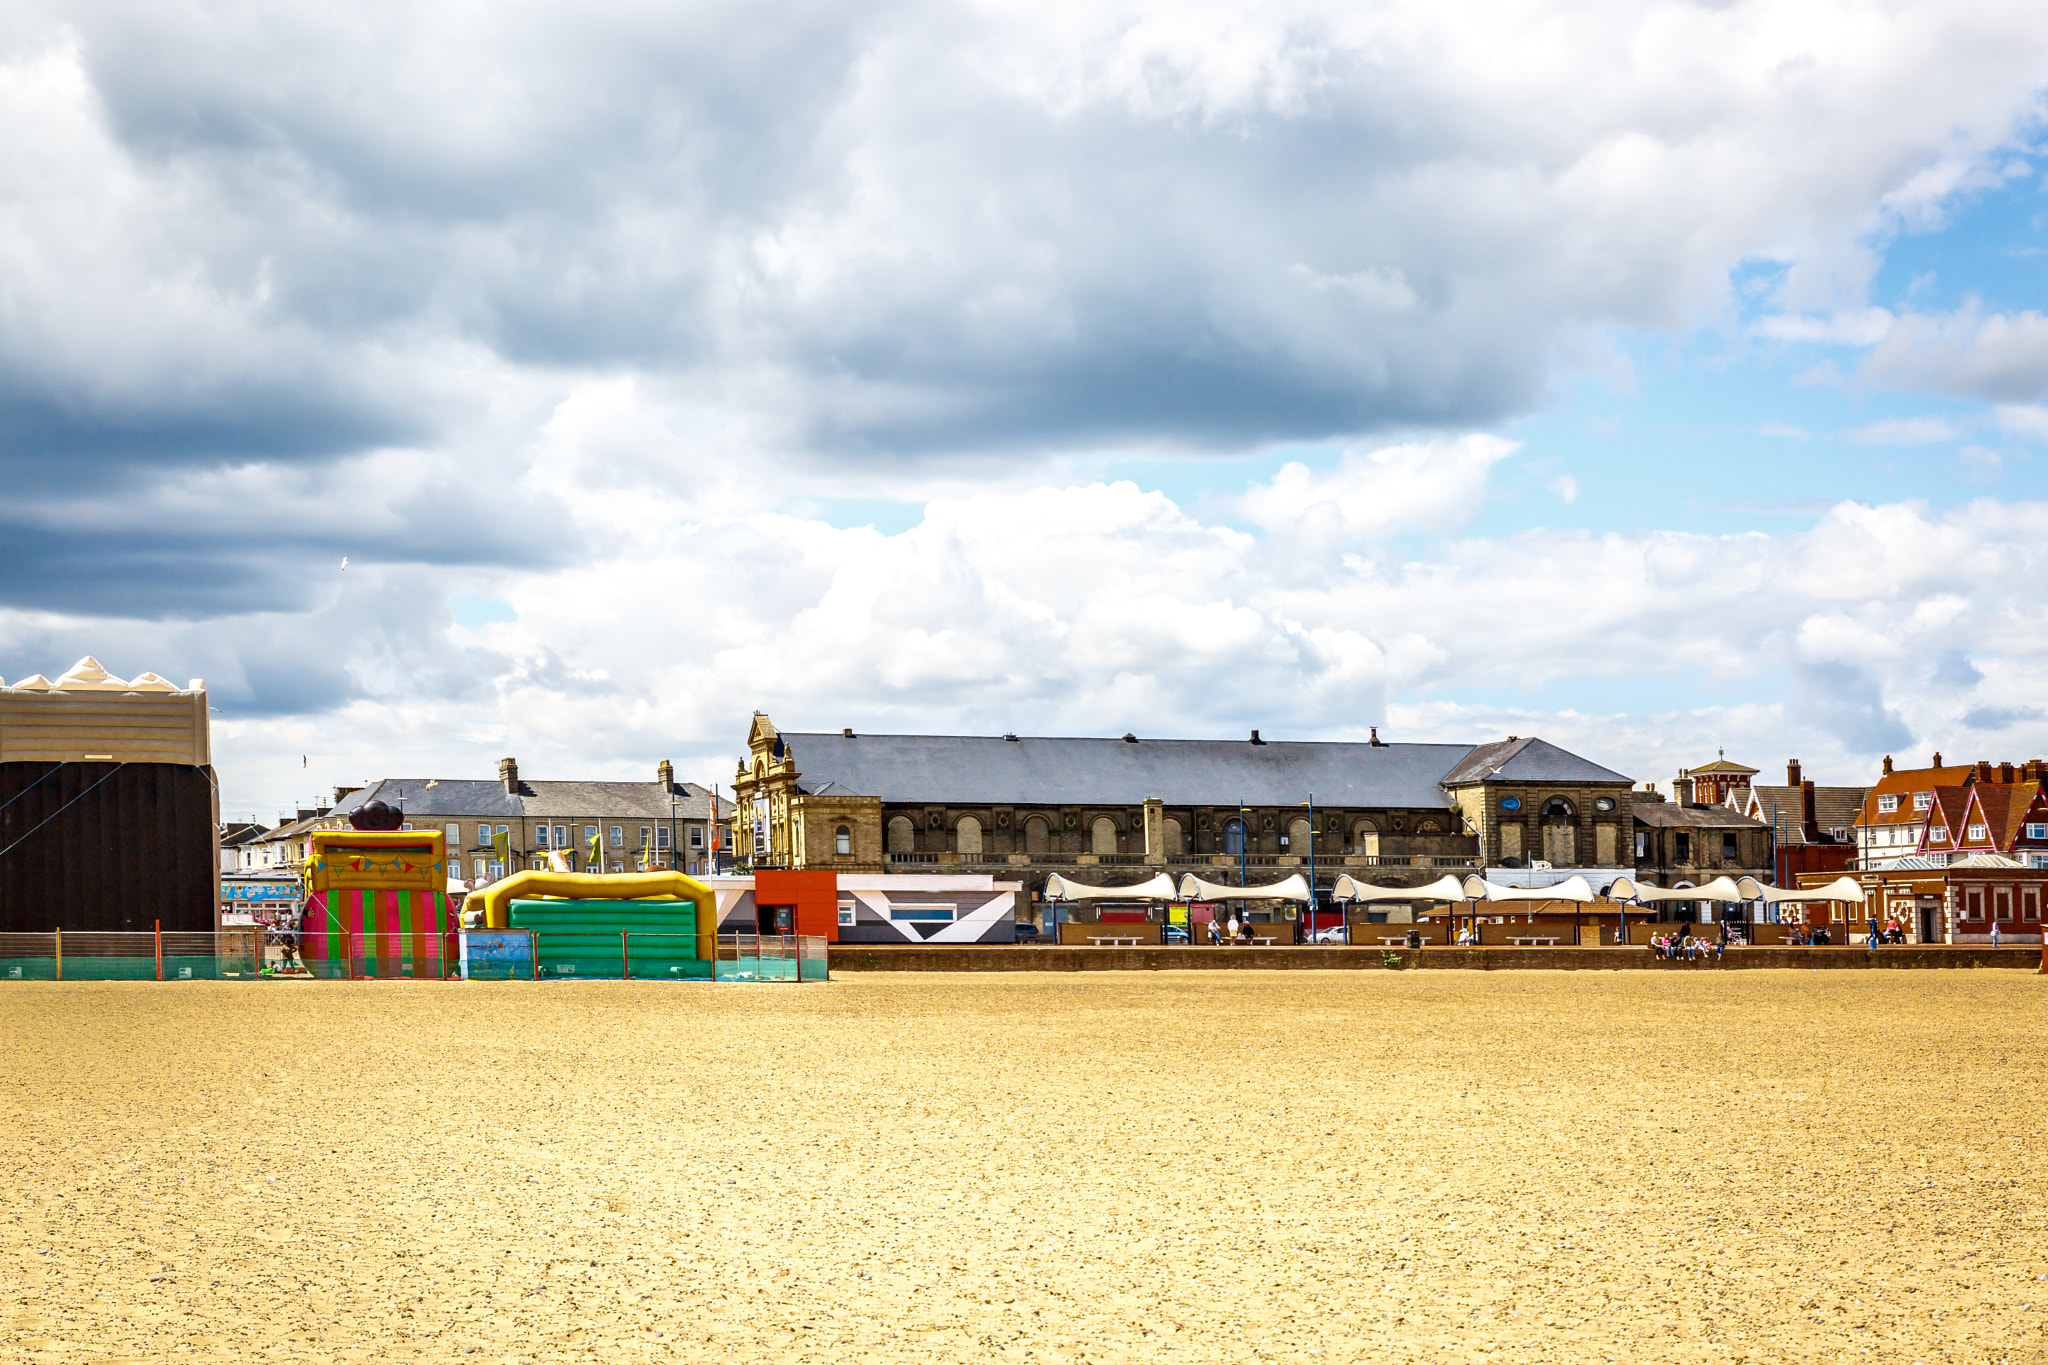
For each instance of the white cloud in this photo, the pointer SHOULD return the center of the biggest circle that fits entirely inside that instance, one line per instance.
(1784, 431)
(1905, 431)
(1434, 487)
(1859, 327)
(1565, 486)
(2000, 356)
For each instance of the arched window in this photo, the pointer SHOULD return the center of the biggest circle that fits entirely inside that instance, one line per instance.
(842, 842)
(968, 836)
(1233, 836)
(1175, 840)
(1298, 838)
(1103, 834)
(1557, 808)
(1365, 838)
(1037, 835)
(902, 835)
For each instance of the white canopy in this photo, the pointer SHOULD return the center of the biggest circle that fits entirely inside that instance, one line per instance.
(1840, 889)
(1719, 889)
(1193, 888)
(1442, 889)
(1570, 889)
(1158, 887)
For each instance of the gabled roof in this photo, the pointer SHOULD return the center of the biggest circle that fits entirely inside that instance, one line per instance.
(1987, 860)
(1719, 765)
(1949, 812)
(1527, 760)
(2004, 806)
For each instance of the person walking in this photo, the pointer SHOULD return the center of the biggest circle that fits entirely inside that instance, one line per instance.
(1994, 933)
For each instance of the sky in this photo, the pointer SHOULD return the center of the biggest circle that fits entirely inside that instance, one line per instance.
(1660, 378)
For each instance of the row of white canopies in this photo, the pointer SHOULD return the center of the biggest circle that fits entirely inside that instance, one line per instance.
(1295, 888)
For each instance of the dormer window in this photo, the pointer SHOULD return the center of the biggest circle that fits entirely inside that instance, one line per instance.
(1938, 835)
(1979, 833)
(1923, 800)
(2037, 831)
(1887, 804)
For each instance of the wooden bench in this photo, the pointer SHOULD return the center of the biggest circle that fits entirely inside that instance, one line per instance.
(1115, 941)
(1535, 942)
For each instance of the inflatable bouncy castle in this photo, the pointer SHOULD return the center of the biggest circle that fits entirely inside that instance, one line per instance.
(376, 900)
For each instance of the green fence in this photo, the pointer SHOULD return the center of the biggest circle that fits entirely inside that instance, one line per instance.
(229, 954)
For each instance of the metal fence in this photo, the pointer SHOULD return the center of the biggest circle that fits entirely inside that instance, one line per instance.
(233, 953)
(771, 957)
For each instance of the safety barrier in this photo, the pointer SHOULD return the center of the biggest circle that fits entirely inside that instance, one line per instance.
(232, 953)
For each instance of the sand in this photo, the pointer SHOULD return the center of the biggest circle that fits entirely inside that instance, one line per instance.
(1755, 1166)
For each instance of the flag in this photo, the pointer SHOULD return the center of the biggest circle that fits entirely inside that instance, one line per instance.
(501, 844)
(594, 858)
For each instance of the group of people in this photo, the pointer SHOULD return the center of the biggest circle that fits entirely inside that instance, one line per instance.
(1683, 944)
(1891, 933)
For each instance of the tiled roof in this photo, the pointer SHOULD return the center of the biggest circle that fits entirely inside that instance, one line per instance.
(1902, 783)
(2005, 806)
(1719, 765)
(1783, 809)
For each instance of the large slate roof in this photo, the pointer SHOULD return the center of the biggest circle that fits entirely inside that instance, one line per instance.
(978, 770)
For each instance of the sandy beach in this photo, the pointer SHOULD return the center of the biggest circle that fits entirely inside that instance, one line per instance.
(1762, 1166)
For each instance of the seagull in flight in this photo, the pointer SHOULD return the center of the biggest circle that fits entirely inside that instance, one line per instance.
(344, 563)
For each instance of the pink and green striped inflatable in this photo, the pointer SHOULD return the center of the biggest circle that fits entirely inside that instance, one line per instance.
(376, 931)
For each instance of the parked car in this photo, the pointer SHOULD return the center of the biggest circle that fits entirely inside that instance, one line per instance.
(1174, 933)
(1333, 934)
(1027, 933)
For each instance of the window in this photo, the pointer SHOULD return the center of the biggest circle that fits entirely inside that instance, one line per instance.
(1681, 847)
(1642, 844)
(2037, 831)
(618, 868)
(1978, 833)
(1887, 804)
(1300, 838)
(1037, 836)
(902, 835)
(1102, 835)
(540, 836)
(589, 833)
(646, 836)
(696, 836)
(1923, 800)
(1938, 834)
(618, 836)
(967, 837)
(406, 825)
(1176, 841)
(1233, 836)
(842, 846)
(1511, 803)
(1973, 904)
(846, 910)
(455, 836)
(2030, 903)
(661, 836)
(1604, 803)
(1728, 854)
(929, 910)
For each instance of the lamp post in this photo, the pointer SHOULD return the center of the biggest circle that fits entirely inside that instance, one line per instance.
(1313, 923)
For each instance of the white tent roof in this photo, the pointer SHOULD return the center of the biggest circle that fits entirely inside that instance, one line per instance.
(1719, 889)
(1570, 889)
(1840, 889)
(1158, 887)
(1193, 888)
(1442, 889)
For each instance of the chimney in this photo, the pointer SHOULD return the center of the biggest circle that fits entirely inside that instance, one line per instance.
(1681, 787)
(846, 733)
(1791, 772)
(508, 773)
(665, 774)
(1983, 770)
(1887, 765)
(1806, 815)
(1256, 739)
(1937, 758)
(2005, 773)
(1375, 740)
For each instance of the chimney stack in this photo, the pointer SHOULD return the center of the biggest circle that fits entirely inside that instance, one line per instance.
(1937, 759)
(1983, 770)
(1807, 818)
(1887, 765)
(1256, 739)
(1791, 772)
(508, 773)
(665, 774)
(2005, 773)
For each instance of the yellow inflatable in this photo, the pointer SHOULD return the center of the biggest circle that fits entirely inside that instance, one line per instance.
(495, 900)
